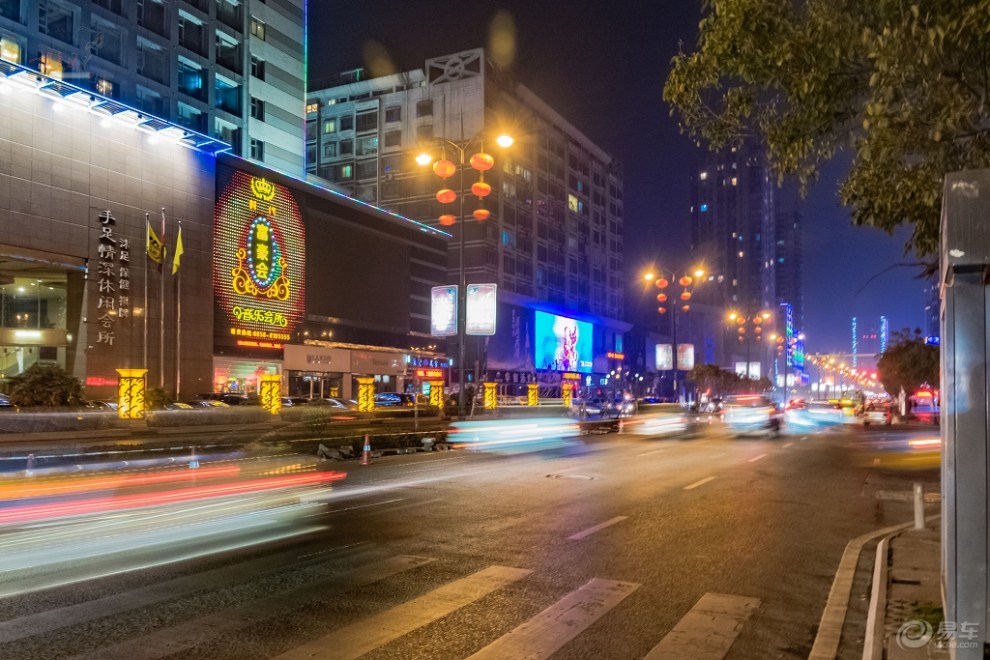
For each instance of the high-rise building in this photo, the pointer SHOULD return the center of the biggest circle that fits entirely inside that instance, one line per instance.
(788, 251)
(556, 211)
(230, 69)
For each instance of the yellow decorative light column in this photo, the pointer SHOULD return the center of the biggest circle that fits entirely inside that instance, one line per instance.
(490, 395)
(533, 394)
(567, 392)
(130, 393)
(366, 394)
(271, 393)
(436, 394)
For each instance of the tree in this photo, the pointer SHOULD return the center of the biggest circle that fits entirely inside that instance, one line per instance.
(48, 385)
(707, 377)
(903, 84)
(908, 363)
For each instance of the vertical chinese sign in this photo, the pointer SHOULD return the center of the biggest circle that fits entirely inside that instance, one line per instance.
(113, 280)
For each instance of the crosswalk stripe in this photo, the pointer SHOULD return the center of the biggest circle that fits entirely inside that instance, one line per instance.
(548, 631)
(359, 638)
(187, 635)
(708, 630)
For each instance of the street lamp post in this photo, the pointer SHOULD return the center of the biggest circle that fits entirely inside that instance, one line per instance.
(662, 283)
(443, 168)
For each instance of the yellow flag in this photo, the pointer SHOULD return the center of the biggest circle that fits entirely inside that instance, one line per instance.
(178, 252)
(156, 249)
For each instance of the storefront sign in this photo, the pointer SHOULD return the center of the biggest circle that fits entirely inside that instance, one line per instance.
(367, 362)
(613, 355)
(298, 357)
(443, 311)
(258, 261)
(481, 309)
(113, 279)
(430, 374)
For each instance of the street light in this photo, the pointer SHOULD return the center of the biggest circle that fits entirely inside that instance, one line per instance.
(662, 284)
(444, 168)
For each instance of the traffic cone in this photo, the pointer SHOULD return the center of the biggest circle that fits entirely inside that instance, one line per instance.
(366, 454)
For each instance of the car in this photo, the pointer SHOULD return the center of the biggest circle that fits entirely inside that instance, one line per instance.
(814, 414)
(387, 399)
(207, 403)
(5, 401)
(178, 405)
(103, 406)
(594, 407)
(333, 402)
(750, 414)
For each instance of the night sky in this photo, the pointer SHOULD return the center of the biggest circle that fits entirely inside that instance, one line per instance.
(602, 66)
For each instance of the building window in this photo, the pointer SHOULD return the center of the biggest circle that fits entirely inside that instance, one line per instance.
(345, 172)
(192, 34)
(367, 146)
(330, 150)
(347, 123)
(229, 12)
(190, 117)
(393, 113)
(257, 149)
(329, 126)
(424, 132)
(393, 139)
(258, 109)
(152, 16)
(367, 169)
(150, 101)
(105, 40)
(10, 50)
(257, 28)
(152, 61)
(57, 19)
(312, 108)
(258, 71)
(424, 108)
(11, 9)
(191, 79)
(367, 121)
(228, 53)
(105, 87)
(346, 147)
(227, 96)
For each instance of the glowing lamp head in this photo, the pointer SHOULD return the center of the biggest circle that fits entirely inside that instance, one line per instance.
(446, 196)
(444, 168)
(424, 159)
(481, 189)
(699, 273)
(505, 141)
(647, 276)
(447, 219)
(481, 214)
(482, 161)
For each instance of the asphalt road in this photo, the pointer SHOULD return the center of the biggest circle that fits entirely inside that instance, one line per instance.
(605, 548)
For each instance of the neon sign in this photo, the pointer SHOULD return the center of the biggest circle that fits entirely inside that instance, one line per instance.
(258, 260)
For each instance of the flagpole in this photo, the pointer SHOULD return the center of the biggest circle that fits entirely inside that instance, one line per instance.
(161, 331)
(147, 258)
(178, 315)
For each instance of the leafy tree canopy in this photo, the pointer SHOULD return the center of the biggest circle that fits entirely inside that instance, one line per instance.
(714, 379)
(908, 362)
(904, 85)
(49, 386)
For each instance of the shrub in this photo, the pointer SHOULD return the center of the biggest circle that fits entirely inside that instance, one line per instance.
(49, 386)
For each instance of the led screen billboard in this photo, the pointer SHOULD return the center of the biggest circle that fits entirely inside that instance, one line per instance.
(480, 309)
(562, 344)
(443, 311)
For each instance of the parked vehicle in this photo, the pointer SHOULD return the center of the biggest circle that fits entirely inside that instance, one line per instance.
(330, 401)
(207, 404)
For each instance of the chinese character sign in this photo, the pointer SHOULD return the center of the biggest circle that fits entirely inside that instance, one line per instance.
(113, 279)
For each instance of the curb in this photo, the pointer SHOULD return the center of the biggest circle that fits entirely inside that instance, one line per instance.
(874, 638)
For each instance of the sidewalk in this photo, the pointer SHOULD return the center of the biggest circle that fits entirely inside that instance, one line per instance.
(907, 600)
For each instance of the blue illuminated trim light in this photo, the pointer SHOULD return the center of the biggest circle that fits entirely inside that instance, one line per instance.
(102, 105)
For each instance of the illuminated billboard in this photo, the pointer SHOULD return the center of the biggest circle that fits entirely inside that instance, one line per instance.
(562, 344)
(480, 307)
(258, 261)
(685, 357)
(443, 311)
(665, 357)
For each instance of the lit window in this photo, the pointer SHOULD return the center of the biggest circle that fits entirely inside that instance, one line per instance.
(10, 50)
(703, 176)
(741, 253)
(734, 180)
(312, 107)
(257, 28)
(704, 208)
(104, 87)
(330, 126)
(572, 202)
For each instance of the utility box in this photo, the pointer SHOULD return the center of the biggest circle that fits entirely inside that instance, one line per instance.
(964, 263)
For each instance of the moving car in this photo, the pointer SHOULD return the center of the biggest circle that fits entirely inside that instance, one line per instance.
(814, 414)
(751, 414)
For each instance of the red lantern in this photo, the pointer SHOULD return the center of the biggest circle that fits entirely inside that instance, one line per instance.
(686, 295)
(685, 281)
(742, 331)
(661, 297)
(740, 320)
(757, 329)
(662, 310)
(481, 189)
(685, 308)
(447, 219)
(446, 195)
(482, 161)
(662, 283)
(444, 168)
(481, 214)
(757, 320)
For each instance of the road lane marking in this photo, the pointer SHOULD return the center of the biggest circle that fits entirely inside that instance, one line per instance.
(650, 453)
(756, 458)
(548, 631)
(369, 634)
(788, 445)
(708, 630)
(168, 641)
(700, 482)
(365, 506)
(591, 530)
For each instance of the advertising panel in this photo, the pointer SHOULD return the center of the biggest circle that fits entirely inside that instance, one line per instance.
(562, 344)
(511, 349)
(665, 357)
(685, 357)
(480, 307)
(258, 261)
(443, 311)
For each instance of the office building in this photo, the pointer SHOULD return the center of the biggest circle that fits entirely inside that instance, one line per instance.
(230, 69)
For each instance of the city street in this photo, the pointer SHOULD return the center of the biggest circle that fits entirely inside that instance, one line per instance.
(597, 548)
